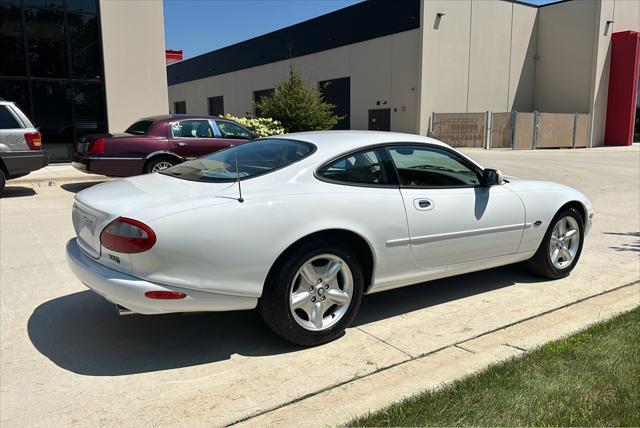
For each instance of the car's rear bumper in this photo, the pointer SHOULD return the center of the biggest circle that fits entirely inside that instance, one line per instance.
(128, 291)
(112, 167)
(23, 162)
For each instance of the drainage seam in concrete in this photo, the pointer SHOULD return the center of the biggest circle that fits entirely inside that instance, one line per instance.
(426, 354)
(464, 349)
(516, 347)
(386, 343)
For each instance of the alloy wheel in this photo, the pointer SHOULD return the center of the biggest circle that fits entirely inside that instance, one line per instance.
(321, 292)
(564, 242)
(161, 166)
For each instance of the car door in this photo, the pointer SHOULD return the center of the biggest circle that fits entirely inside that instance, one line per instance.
(11, 130)
(366, 192)
(452, 218)
(192, 138)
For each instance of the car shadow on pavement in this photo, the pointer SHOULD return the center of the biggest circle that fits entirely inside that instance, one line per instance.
(82, 333)
(626, 246)
(387, 304)
(17, 192)
(76, 187)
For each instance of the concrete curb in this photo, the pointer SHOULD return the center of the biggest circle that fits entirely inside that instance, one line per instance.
(339, 404)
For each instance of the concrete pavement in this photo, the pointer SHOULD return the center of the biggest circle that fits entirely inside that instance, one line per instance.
(65, 349)
(55, 173)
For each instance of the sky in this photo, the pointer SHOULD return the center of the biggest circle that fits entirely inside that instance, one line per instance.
(200, 26)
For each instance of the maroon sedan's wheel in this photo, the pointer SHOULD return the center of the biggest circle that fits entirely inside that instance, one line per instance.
(158, 164)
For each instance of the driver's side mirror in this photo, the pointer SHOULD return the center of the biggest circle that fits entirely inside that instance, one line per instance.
(492, 177)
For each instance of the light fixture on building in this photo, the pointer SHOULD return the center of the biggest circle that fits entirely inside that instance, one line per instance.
(436, 23)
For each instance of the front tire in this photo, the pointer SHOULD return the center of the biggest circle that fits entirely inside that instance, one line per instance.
(3, 180)
(313, 295)
(561, 246)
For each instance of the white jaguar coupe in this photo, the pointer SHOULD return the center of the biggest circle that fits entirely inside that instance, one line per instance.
(303, 225)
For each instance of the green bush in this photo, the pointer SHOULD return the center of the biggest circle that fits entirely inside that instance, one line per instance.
(298, 107)
(262, 126)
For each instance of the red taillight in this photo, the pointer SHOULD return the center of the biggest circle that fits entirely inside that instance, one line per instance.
(96, 147)
(164, 295)
(125, 235)
(34, 140)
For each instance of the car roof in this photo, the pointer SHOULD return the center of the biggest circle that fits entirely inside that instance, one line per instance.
(165, 117)
(330, 143)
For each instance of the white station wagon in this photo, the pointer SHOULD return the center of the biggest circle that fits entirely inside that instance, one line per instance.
(303, 225)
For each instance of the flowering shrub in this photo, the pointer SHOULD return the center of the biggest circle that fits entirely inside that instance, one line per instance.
(262, 126)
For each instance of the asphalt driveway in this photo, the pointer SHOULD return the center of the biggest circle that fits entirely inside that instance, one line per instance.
(67, 358)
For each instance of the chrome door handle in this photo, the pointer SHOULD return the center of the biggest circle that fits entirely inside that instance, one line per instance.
(423, 204)
(181, 144)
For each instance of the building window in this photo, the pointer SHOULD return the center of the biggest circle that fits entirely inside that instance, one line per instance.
(55, 74)
(338, 93)
(258, 95)
(216, 106)
(180, 107)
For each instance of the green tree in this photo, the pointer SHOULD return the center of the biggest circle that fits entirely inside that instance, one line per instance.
(298, 107)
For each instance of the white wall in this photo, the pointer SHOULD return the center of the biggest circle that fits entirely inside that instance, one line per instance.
(134, 60)
(384, 69)
(565, 49)
(478, 57)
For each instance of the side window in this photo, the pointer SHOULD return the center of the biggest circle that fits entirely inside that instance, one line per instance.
(431, 167)
(196, 128)
(232, 130)
(7, 119)
(366, 167)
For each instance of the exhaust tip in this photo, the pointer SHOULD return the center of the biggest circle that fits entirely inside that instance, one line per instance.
(122, 311)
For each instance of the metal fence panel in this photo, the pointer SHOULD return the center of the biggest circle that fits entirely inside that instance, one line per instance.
(582, 130)
(516, 130)
(501, 130)
(555, 130)
(524, 131)
(460, 129)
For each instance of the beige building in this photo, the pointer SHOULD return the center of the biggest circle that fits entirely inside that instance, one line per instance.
(83, 67)
(134, 60)
(392, 68)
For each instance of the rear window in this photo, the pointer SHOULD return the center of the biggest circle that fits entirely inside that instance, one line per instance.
(8, 120)
(140, 127)
(254, 158)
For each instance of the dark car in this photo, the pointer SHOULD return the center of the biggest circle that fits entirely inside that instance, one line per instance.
(20, 144)
(156, 143)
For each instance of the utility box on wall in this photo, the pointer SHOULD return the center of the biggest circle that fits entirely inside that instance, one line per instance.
(623, 88)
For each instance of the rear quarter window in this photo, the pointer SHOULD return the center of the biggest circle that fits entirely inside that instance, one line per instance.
(141, 127)
(7, 119)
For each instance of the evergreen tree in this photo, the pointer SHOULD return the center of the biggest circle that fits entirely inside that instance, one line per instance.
(298, 107)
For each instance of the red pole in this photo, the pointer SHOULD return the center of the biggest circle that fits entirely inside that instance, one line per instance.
(623, 88)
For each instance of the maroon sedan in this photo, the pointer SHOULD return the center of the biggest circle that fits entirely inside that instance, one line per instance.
(156, 143)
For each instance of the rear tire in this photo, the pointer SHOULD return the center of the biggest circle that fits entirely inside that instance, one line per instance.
(311, 297)
(159, 164)
(558, 254)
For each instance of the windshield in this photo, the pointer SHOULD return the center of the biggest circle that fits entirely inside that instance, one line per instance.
(140, 127)
(254, 158)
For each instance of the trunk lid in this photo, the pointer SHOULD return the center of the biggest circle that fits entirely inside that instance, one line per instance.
(143, 198)
(83, 142)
